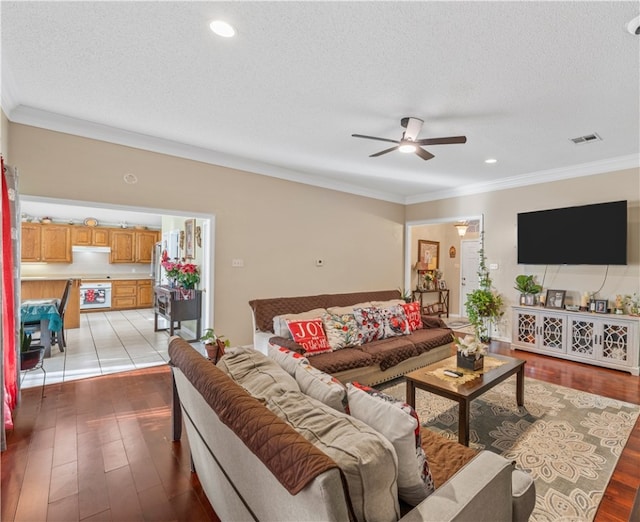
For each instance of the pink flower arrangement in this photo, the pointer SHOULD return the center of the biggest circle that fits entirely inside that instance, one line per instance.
(186, 275)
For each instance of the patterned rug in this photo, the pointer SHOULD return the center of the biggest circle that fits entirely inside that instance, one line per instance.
(570, 441)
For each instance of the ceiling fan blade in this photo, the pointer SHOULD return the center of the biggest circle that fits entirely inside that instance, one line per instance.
(425, 155)
(442, 141)
(383, 152)
(374, 138)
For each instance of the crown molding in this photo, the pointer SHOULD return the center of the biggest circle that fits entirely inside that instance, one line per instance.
(56, 122)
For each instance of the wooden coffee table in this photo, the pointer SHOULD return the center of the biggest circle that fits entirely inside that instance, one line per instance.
(464, 393)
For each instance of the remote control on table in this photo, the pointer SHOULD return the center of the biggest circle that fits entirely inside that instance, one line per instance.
(453, 373)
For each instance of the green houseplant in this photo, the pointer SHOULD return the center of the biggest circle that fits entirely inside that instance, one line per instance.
(528, 288)
(484, 305)
(214, 344)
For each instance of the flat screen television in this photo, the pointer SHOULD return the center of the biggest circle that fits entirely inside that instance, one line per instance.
(585, 235)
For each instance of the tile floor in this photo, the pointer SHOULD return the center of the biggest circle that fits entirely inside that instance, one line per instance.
(106, 342)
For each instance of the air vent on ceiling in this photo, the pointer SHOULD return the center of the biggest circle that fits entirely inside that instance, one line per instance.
(587, 138)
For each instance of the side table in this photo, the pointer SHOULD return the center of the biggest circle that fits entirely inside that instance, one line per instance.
(176, 305)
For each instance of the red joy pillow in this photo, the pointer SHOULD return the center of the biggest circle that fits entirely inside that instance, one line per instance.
(412, 311)
(310, 335)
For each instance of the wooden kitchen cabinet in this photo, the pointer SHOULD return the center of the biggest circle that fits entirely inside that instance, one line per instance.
(131, 246)
(145, 293)
(124, 294)
(90, 236)
(45, 243)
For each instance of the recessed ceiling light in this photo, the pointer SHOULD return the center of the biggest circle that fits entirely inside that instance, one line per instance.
(222, 28)
(491, 160)
(634, 26)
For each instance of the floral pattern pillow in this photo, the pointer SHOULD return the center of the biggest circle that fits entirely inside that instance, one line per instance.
(370, 324)
(412, 311)
(394, 321)
(342, 330)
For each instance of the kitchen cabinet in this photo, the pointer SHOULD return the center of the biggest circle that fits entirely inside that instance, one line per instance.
(132, 246)
(124, 294)
(131, 293)
(45, 243)
(145, 293)
(600, 339)
(90, 236)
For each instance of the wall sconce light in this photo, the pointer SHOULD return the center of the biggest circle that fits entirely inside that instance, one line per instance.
(462, 228)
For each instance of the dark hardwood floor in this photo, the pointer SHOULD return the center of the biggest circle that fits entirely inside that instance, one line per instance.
(100, 449)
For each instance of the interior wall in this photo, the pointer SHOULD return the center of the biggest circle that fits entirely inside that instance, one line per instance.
(4, 136)
(500, 209)
(279, 228)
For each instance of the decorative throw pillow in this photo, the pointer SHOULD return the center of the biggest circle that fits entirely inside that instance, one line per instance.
(342, 330)
(310, 335)
(322, 386)
(339, 310)
(288, 359)
(280, 328)
(369, 324)
(412, 311)
(394, 321)
(399, 423)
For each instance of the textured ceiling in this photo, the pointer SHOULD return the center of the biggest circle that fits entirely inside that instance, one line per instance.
(519, 79)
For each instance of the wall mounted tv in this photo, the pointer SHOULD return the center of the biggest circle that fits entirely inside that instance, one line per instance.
(585, 235)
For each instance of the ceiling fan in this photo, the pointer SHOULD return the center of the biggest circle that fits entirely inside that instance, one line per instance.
(409, 142)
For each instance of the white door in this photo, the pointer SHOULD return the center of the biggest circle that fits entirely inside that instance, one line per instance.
(469, 261)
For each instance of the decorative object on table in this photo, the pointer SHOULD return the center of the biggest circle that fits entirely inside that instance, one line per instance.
(484, 305)
(584, 301)
(91, 222)
(452, 252)
(601, 306)
(528, 288)
(619, 309)
(470, 352)
(189, 238)
(555, 299)
(214, 344)
(45, 220)
(632, 303)
(442, 284)
(179, 274)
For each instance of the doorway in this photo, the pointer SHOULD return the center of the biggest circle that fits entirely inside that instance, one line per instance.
(456, 255)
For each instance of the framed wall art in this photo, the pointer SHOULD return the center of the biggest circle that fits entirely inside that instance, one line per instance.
(555, 299)
(189, 238)
(429, 253)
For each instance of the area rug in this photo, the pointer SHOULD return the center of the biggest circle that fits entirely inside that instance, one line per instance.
(570, 441)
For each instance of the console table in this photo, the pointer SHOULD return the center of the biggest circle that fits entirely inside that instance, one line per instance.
(176, 305)
(443, 301)
(607, 340)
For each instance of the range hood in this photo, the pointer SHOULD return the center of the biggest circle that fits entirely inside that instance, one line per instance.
(101, 249)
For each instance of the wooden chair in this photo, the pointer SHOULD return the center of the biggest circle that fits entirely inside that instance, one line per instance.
(56, 337)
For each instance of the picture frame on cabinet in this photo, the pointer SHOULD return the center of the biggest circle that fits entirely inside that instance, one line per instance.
(442, 284)
(601, 306)
(555, 299)
(189, 238)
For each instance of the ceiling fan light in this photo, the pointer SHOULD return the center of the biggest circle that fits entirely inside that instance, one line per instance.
(222, 28)
(407, 148)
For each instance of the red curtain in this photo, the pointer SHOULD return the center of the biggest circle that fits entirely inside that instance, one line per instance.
(8, 312)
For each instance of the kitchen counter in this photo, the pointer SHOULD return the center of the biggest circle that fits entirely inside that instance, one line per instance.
(88, 277)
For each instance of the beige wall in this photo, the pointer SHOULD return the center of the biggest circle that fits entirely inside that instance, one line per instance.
(278, 227)
(500, 209)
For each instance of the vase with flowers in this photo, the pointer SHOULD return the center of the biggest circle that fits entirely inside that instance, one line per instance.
(470, 352)
(188, 276)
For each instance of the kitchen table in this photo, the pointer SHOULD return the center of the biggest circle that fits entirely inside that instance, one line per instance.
(45, 311)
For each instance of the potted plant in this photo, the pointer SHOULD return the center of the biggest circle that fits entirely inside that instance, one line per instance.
(406, 295)
(484, 305)
(528, 289)
(470, 353)
(214, 344)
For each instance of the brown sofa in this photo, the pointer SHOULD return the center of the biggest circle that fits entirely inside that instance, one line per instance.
(371, 363)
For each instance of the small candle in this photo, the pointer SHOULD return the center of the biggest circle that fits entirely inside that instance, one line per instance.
(584, 300)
